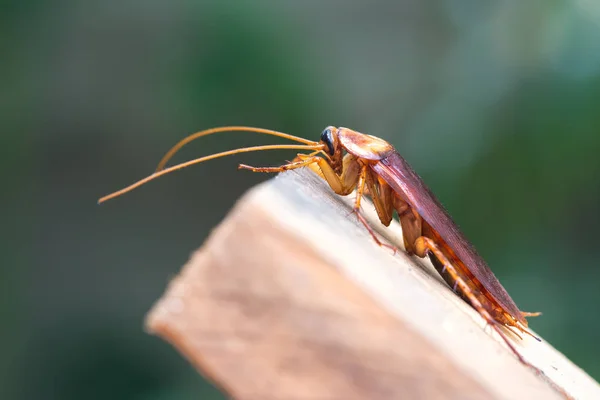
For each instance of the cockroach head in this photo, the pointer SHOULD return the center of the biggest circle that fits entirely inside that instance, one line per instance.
(329, 138)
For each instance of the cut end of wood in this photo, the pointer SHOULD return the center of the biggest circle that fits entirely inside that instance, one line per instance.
(290, 298)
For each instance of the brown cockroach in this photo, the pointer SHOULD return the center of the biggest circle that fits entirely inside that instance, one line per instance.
(352, 161)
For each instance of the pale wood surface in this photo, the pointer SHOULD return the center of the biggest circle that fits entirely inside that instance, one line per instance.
(290, 299)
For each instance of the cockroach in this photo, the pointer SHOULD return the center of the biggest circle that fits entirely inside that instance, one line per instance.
(351, 161)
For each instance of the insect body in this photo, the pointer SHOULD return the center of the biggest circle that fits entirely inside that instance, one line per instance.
(351, 161)
(363, 162)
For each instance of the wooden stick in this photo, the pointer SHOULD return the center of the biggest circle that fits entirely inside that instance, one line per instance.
(290, 298)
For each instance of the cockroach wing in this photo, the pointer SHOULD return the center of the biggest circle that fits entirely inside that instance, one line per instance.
(404, 180)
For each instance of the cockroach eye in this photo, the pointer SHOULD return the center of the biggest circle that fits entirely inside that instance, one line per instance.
(327, 138)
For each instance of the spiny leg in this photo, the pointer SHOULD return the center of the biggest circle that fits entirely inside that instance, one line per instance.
(285, 167)
(522, 327)
(313, 166)
(342, 184)
(353, 175)
(423, 245)
(363, 180)
(381, 195)
(360, 189)
(518, 325)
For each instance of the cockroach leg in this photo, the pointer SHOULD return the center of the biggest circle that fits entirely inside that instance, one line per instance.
(411, 222)
(360, 189)
(364, 221)
(285, 167)
(523, 329)
(381, 195)
(423, 245)
(353, 176)
(316, 169)
(511, 329)
(342, 184)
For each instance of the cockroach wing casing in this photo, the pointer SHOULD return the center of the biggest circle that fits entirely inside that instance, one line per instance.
(397, 173)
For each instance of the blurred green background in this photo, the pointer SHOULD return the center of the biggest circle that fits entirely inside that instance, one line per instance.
(496, 105)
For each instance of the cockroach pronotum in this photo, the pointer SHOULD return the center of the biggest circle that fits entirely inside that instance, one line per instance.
(352, 161)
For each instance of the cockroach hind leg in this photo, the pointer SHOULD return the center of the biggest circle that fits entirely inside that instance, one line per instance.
(423, 245)
(505, 329)
(502, 334)
(532, 335)
(510, 329)
(526, 331)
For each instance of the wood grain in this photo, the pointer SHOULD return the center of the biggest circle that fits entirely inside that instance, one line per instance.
(290, 299)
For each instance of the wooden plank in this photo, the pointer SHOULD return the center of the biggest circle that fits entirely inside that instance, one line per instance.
(289, 298)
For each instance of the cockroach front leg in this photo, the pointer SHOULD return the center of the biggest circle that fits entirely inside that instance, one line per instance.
(424, 245)
(342, 184)
(354, 175)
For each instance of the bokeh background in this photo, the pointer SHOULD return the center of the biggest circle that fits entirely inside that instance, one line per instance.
(496, 105)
